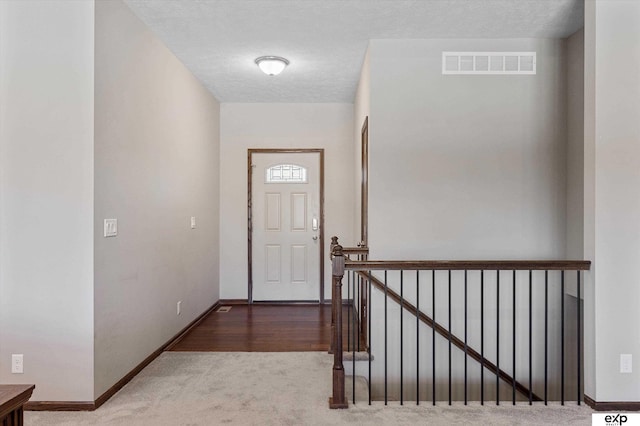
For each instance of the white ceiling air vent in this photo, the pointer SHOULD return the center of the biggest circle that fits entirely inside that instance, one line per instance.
(488, 63)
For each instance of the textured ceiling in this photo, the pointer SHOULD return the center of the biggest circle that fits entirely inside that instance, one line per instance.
(325, 40)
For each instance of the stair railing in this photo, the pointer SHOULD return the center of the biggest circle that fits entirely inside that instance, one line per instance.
(373, 275)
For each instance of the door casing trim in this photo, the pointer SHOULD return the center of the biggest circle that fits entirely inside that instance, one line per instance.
(364, 184)
(250, 152)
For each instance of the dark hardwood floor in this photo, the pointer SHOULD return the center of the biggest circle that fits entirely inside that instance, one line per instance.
(262, 328)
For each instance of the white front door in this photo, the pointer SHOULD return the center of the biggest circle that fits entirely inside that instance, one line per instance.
(285, 206)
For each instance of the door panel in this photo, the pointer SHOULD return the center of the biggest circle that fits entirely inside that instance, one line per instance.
(299, 264)
(272, 263)
(285, 190)
(299, 212)
(272, 201)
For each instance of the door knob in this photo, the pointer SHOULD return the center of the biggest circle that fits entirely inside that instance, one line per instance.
(315, 237)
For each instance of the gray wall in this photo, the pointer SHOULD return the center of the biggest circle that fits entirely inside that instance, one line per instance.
(612, 205)
(46, 196)
(575, 153)
(156, 165)
(466, 166)
(575, 144)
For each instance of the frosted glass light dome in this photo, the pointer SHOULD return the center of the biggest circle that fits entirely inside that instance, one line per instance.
(272, 65)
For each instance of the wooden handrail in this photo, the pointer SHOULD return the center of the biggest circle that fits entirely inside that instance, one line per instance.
(355, 250)
(468, 265)
(444, 332)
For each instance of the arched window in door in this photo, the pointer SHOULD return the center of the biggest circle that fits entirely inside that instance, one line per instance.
(286, 173)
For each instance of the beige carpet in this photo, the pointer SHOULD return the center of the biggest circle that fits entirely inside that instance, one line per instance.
(188, 388)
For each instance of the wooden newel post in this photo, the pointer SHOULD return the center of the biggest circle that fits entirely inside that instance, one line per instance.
(338, 400)
(334, 242)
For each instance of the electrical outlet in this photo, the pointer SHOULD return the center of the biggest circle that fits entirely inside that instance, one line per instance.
(17, 363)
(178, 306)
(626, 363)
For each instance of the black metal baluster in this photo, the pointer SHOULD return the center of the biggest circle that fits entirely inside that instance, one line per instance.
(385, 338)
(449, 323)
(417, 338)
(369, 294)
(546, 333)
(433, 336)
(465, 338)
(579, 342)
(562, 337)
(482, 337)
(360, 309)
(513, 391)
(401, 333)
(350, 307)
(353, 359)
(530, 338)
(497, 337)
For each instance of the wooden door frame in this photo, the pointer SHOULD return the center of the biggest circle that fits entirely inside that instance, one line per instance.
(364, 220)
(250, 152)
(364, 184)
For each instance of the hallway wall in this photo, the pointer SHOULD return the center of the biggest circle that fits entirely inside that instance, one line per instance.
(244, 126)
(156, 165)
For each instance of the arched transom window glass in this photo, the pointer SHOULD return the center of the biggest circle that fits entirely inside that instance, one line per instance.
(286, 173)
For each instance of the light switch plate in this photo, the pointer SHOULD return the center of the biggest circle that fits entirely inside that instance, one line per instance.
(193, 222)
(626, 363)
(110, 227)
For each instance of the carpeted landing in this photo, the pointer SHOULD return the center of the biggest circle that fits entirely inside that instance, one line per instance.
(252, 388)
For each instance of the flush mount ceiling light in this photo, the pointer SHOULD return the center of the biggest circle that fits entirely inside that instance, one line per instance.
(272, 65)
